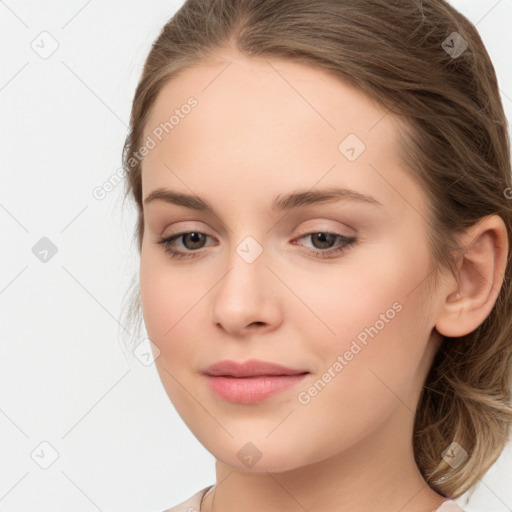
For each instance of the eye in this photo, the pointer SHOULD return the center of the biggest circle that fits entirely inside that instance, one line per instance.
(193, 241)
(325, 240)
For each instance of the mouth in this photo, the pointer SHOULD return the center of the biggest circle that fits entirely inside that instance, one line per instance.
(252, 381)
(250, 390)
(250, 368)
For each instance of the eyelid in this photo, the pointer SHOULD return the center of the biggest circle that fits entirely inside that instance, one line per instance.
(179, 229)
(321, 226)
(308, 227)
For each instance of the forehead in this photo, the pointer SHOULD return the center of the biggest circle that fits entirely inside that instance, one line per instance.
(269, 122)
(276, 89)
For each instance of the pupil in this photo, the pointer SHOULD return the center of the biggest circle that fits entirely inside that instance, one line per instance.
(321, 237)
(196, 237)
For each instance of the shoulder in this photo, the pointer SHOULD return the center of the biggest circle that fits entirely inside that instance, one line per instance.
(449, 506)
(192, 503)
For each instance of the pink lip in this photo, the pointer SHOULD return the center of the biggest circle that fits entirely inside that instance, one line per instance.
(252, 381)
(250, 368)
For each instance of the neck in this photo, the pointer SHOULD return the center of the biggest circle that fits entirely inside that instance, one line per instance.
(377, 473)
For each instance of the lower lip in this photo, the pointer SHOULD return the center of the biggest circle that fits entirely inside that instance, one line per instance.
(250, 390)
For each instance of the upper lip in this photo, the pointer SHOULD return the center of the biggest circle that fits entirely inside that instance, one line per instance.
(250, 368)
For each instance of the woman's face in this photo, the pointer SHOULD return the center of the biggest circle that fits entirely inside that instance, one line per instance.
(260, 276)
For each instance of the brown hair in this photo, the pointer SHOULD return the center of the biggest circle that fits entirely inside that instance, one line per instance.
(409, 56)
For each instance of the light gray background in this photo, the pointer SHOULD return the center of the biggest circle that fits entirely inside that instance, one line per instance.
(64, 376)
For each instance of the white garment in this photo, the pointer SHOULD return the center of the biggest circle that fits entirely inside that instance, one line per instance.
(192, 504)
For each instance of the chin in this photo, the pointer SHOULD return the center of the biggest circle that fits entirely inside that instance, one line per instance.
(258, 456)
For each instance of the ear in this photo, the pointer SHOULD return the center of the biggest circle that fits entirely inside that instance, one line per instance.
(469, 300)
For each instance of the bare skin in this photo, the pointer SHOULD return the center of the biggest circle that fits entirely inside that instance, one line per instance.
(263, 129)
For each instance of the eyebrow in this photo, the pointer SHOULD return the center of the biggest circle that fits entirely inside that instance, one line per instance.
(281, 202)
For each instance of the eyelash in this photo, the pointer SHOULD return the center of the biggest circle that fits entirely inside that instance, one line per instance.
(347, 242)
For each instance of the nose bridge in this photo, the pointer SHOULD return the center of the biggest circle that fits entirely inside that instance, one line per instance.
(247, 266)
(244, 294)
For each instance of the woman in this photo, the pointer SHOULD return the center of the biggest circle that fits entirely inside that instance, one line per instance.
(323, 224)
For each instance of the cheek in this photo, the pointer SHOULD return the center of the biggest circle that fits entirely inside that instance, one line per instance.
(166, 299)
(176, 310)
(170, 309)
(368, 372)
(375, 308)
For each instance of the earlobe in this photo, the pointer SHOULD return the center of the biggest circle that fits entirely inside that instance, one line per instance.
(481, 267)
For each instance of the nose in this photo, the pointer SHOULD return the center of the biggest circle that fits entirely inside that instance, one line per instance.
(247, 297)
